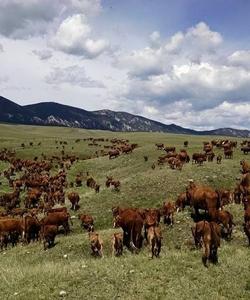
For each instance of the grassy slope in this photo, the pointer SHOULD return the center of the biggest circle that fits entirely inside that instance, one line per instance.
(178, 274)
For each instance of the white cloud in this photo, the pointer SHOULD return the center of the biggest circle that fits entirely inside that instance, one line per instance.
(43, 54)
(1, 48)
(73, 37)
(73, 75)
(240, 58)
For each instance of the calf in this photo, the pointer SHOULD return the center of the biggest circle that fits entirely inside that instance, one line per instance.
(48, 235)
(96, 244)
(168, 210)
(87, 222)
(74, 199)
(207, 235)
(154, 236)
(117, 244)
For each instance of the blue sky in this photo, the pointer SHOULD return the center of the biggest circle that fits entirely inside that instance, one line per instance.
(181, 61)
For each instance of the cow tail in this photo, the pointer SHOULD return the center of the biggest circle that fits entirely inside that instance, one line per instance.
(131, 244)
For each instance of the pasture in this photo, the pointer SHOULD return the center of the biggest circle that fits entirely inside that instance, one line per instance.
(29, 272)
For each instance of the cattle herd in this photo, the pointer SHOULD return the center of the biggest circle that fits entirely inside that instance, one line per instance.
(42, 213)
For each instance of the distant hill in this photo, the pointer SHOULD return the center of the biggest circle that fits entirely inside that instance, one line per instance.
(55, 114)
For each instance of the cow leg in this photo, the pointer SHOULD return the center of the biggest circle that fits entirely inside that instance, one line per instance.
(206, 254)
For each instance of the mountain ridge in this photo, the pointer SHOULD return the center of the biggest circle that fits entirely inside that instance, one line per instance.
(55, 114)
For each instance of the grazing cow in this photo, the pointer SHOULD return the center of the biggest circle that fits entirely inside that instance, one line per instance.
(207, 235)
(245, 149)
(153, 166)
(87, 222)
(168, 210)
(74, 199)
(225, 218)
(96, 244)
(154, 236)
(170, 149)
(185, 144)
(48, 234)
(117, 244)
(78, 181)
(145, 158)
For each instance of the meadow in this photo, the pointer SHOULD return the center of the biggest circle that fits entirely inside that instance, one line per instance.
(29, 272)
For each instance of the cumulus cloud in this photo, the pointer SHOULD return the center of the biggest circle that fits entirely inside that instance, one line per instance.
(240, 58)
(193, 46)
(73, 37)
(21, 19)
(186, 76)
(43, 54)
(73, 75)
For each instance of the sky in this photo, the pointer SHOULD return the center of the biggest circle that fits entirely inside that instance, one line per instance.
(175, 61)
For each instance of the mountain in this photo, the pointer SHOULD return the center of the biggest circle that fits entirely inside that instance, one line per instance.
(55, 114)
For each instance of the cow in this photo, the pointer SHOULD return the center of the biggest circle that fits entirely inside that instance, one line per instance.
(225, 197)
(154, 237)
(31, 228)
(159, 146)
(202, 197)
(207, 234)
(181, 202)
(87, 222)
(228, 153)
(225, 218)
(113, 153)
(58, 219)
(74, 199)
(168, 210)
(117, 244)
(48, 234)
(131, 222)
(245, 167)
(96, 244)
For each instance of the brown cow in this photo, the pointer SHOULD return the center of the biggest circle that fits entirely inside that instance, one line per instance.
(131, 222)
(225, 218)
(74, 199)
(168, 210)
(31, 229)
(113, 153)
(87, 222)
(48, 234)
(245, 167)
(181, 202)
(96, 244)
(202, 197)
(117, 244)
(58, 219)
(154, 236)
(207, 235)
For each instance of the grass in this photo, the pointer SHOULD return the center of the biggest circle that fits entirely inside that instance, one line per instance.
(29, 272)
